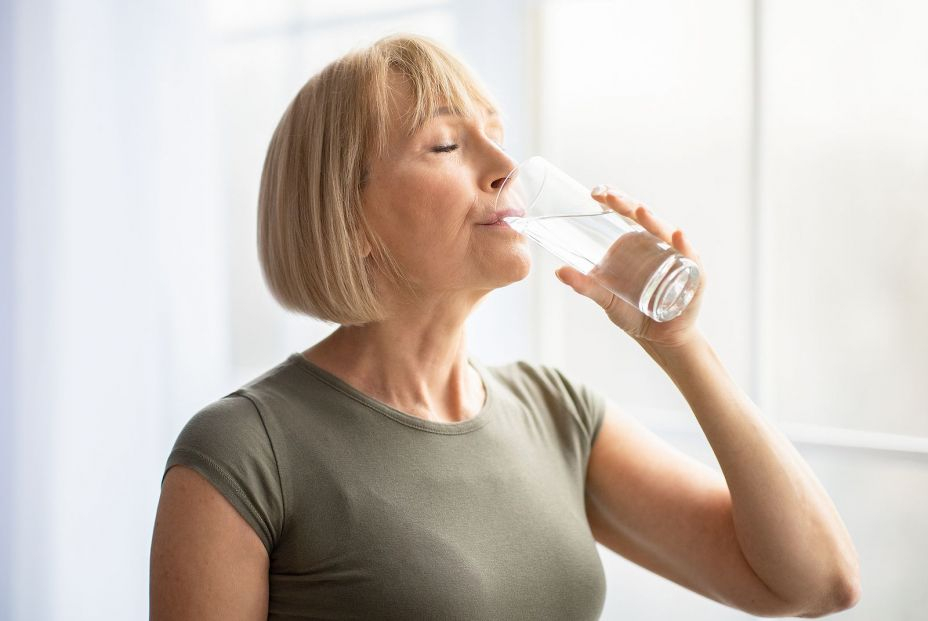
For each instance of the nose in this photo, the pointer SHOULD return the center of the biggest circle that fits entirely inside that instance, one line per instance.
(500, 167)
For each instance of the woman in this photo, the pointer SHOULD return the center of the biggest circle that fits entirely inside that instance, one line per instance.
(385, 474)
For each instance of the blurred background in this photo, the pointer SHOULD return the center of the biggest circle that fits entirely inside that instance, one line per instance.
(788, 138)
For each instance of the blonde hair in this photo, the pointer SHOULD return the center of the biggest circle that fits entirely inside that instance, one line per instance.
(312, 234)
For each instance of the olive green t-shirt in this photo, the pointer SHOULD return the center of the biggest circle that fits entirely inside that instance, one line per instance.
(371, 513)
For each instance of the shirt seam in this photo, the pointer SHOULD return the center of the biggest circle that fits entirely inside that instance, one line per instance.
(236, 488)
(572, 398)
(280, 480)
(392, 415)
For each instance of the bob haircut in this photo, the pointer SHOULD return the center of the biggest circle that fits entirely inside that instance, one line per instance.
(318, 255)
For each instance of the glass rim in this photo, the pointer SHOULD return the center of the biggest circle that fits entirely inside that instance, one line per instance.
(534, 159)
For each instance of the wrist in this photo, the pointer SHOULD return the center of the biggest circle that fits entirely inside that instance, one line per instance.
(685, 348)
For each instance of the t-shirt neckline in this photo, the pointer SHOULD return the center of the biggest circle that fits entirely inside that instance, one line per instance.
(483, 416)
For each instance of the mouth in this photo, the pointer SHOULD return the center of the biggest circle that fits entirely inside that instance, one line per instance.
(498, 218)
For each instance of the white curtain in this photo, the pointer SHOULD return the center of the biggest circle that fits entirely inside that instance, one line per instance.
(115, 324)
(133, 135)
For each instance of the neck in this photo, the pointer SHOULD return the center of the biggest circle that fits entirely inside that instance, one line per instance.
(416, 366)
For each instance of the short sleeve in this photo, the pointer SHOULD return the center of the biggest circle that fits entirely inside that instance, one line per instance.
(227, 443)
(577, 408)
(589, 403)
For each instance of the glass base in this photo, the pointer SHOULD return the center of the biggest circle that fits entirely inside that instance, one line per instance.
(670, 289)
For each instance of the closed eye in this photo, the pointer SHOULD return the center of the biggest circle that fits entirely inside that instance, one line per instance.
(448, 148)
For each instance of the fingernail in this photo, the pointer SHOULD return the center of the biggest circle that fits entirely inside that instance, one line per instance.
(599, 190)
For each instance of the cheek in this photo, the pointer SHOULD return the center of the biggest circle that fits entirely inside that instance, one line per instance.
(424, 235)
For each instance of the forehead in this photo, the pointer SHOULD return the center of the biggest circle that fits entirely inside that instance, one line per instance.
(405, 132)
(410, 111)
(406, 108)
(489, 115)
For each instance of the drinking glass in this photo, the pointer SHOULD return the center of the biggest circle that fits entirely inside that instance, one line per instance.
(559, 214)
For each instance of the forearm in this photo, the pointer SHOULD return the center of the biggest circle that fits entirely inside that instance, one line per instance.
(787, 526)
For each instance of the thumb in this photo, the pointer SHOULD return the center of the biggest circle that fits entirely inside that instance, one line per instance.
(586, 286)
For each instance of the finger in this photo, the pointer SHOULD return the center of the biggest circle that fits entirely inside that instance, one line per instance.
(685, 248)
(615, 200)
(628, 206)
(586, 286)
(654, 225)
(682, 244)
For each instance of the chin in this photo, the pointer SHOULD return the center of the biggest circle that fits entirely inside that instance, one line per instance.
(513, 268)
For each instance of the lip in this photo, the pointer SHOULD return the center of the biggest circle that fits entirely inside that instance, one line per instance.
(497, 217)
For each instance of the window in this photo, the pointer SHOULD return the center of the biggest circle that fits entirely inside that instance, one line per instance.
(790, 141)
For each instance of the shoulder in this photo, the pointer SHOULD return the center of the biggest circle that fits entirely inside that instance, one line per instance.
(232, 419)
(228, 437)
(524, 375)
(557, 390)
(253, 408)
(227, 443)
(234, 407)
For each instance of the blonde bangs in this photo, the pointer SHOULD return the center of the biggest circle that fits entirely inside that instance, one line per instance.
(435, 78)
(311, 226)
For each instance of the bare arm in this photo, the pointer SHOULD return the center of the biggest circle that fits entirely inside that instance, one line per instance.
(670, 514)
(788, 528)
(207, 563)
(767, 539)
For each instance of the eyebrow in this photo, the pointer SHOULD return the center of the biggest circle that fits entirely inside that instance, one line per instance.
(445, 110)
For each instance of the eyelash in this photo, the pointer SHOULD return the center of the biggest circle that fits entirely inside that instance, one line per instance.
(448, 148)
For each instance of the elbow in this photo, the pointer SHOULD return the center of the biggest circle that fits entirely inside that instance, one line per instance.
(846, 589)
(852, 596)
(844, 594)
(843, 591)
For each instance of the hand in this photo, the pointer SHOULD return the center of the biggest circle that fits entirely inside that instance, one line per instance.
(679, 331)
